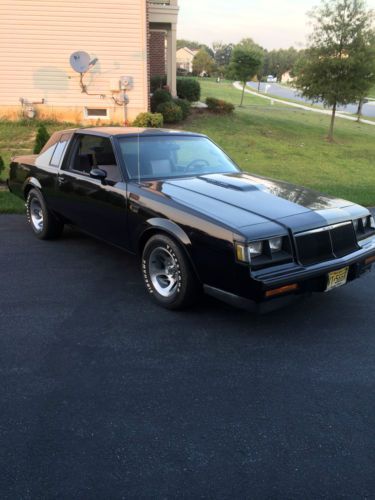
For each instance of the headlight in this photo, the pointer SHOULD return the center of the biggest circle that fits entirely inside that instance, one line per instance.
(255, 248)
(264, 252)
(276, 244)
(364, 226)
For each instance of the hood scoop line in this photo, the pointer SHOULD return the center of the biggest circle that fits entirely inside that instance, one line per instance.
(244, 187)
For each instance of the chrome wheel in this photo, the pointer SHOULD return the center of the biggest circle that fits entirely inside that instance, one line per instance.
(164, 271)
(36, 214)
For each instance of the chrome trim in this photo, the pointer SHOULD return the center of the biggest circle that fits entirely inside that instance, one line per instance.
(322, 229)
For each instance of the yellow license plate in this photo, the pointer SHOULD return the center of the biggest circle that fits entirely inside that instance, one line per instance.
(337, 278)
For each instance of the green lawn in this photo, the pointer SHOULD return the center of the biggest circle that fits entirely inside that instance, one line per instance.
(285, 143)
(10, 204)
(269, 139)
(17, 138)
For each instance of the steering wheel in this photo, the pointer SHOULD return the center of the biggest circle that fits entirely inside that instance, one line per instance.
(196, 164)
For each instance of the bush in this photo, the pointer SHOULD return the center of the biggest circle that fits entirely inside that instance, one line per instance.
(219, 106)
(172, 113)
(42, 137)
(158, 97)
(157, 82)
(188, 88)
(2, 165)
(185, 107)
(147, 120)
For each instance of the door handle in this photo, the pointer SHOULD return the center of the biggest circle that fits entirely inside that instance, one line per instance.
(61, 180)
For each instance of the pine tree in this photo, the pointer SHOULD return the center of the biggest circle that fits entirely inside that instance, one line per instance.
(42, 136)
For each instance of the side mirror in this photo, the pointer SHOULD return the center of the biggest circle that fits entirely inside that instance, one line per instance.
(99, 174)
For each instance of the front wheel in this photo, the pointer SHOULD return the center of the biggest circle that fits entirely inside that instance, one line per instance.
(43, 223)
(167, 273)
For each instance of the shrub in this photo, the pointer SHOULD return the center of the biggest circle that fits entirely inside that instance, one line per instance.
(188, 88)
(158, 82)
(41, 139)
(158, 97)
(2, 165)
(172, 113)
(185, 107)
(219, 106)
(147, 120)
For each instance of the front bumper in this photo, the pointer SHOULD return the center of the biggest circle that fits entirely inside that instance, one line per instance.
(294, 273)
(309, 279)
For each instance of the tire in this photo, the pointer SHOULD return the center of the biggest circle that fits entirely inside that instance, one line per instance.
(44, 224)
(167, 273)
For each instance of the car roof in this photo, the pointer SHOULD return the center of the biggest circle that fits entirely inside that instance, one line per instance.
(121, 131)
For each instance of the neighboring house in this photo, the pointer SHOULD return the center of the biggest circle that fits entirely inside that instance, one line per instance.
(135, 38)
(286, 77)
(184, 59)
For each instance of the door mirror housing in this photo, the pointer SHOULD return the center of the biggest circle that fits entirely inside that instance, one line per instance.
(99, 174)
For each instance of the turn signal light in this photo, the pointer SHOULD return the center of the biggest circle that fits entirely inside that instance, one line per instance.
(282, 289)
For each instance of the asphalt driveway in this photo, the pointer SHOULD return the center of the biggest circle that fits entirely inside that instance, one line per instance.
(105, 395)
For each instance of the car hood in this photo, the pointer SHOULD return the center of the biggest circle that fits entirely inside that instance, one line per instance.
(242, 200)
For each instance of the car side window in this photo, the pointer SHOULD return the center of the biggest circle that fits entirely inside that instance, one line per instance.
(59, 150)
(93, 151)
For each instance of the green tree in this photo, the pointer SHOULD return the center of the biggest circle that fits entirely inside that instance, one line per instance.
(203, 62)
(245, 64)
(339, 64)
(42, 137)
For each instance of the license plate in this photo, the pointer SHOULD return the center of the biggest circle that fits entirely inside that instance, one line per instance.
(337, 278)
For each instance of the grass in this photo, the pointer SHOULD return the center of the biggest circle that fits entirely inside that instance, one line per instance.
(10, 204)
(17, 138)
(290, 144)
(269, 139)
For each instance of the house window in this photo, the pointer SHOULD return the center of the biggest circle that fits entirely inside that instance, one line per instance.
(96, 113)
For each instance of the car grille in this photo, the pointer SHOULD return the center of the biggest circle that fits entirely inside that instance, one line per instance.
(326, 243)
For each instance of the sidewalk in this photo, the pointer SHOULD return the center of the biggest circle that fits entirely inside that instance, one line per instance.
(327, 112)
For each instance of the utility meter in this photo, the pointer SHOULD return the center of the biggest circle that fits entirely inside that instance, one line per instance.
(126, 82)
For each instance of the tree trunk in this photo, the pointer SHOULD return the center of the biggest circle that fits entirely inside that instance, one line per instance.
(330, 133)
(359, 110)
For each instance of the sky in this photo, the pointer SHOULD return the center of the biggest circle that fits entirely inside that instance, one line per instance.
(271, 23)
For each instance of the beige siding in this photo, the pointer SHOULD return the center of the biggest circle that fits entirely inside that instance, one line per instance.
(38, 36)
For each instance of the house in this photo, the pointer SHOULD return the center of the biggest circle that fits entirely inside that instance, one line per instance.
(184, 59)
(286, 77)
(127, 41)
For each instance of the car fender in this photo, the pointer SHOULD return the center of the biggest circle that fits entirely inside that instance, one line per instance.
(170, 227)
(31, 181)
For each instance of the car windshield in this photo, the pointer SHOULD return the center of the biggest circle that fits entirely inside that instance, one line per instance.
(168, 156)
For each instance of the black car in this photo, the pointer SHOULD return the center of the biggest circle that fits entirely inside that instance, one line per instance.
(197, 222)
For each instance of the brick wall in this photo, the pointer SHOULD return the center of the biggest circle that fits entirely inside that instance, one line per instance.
(157, 53)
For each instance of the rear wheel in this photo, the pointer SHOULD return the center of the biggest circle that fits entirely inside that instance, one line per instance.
(167, 273)
(43, 223)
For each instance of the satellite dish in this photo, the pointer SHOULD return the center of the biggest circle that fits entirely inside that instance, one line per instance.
(80, 61)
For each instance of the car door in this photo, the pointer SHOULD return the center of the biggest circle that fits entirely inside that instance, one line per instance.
(97, 208)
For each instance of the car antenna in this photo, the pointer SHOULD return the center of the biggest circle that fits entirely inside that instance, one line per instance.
(139, 168)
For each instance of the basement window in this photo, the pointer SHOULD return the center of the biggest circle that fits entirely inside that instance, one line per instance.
(96, 113)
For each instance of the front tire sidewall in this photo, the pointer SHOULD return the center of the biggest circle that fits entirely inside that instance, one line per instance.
(182, 295)
(52, 228)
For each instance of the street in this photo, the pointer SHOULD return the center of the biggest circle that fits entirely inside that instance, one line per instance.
(285, 92)
(105, 395)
